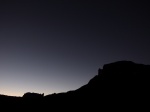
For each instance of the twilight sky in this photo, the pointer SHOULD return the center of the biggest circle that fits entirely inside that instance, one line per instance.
(52, 46)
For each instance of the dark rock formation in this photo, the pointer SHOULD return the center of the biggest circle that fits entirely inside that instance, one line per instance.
(33, 95)
(122, 84)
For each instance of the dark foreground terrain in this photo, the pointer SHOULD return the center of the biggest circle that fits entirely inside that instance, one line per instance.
(122, 86)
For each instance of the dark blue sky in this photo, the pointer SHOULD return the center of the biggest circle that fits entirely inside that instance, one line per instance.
(56, 46)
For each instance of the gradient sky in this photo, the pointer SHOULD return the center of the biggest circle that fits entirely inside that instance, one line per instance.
(53, 46)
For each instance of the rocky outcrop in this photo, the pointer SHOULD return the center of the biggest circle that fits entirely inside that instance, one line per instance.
(30, 95)
(122, 84)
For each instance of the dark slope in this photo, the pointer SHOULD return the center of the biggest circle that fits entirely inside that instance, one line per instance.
(122, 84)
(118, 75)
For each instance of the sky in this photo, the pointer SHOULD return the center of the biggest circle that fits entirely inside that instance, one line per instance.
(53, 46)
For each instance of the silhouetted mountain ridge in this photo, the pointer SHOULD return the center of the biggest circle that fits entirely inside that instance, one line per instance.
(114, 85)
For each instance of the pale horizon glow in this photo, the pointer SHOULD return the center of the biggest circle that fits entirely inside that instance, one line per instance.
(51, 46)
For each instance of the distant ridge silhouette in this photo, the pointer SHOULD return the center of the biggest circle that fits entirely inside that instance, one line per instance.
(121, 84)
(33, 95)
